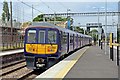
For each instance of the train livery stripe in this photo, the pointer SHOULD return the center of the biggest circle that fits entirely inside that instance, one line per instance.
(41, 48)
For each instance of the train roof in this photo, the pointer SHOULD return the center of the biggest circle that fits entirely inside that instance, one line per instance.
(46, 24)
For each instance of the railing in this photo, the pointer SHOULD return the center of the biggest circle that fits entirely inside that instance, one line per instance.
(111, 49)
(14, 41)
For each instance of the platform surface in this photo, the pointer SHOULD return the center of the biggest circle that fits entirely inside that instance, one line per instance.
(11, 52)
(94, 64)
(89, 62)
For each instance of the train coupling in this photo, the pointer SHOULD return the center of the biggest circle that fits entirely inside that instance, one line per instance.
(40, 65)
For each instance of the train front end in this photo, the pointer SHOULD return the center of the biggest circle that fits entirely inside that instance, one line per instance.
(41, 43)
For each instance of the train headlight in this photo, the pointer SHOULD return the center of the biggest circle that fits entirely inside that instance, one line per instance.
(40, 60)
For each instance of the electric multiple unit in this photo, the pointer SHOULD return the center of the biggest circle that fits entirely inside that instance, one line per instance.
(45, 40)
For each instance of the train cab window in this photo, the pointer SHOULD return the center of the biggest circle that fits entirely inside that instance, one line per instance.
(31, 36)
(41, 38)
(52, 36)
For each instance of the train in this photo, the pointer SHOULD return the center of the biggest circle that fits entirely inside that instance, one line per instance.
(44, 40)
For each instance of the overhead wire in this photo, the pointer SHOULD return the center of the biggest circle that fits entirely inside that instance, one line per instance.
(30, 6)
(62, 5)
(48, 6)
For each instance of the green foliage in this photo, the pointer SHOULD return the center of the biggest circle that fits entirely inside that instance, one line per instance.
(25, 24)
(5, 14)
(40, 18)
(94, 33)
(59, 19)
(71, 21)
(78, 29)
(71, 27)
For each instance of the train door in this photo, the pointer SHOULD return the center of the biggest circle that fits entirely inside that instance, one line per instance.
(41, 41)
(64, 43)
(73, 41)
(68, 42)
(77, 41)
(80, 40)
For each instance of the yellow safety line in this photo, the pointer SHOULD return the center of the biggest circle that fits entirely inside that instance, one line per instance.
(68, 66)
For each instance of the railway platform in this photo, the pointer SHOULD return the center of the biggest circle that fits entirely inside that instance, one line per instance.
(4, 53)
(86, 63)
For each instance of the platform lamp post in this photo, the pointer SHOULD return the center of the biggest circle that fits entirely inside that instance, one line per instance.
(105, 27)
(32, 13)
(99, 29)
(11, 22)
(118, 39)
(68, 19)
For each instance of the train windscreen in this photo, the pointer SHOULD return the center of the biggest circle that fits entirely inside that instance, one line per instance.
(52, 36)
(31, 36)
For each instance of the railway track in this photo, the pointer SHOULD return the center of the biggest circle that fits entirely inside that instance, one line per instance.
(14, 67)
(11, 63)
(6, 59)
(18, 71)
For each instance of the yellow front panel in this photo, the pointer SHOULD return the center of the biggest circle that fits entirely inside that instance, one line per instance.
(31, 48)
(41, 48)
(51, 49)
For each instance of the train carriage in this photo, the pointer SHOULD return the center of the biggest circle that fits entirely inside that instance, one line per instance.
(44, 40)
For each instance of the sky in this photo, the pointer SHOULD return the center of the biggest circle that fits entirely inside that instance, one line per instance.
(22, 13)
(65, 0)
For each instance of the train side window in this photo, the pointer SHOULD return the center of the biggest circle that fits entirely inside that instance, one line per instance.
(61, 37)
(71, 39)
(64, 38)
(41, 38)
(52, 36)
(31, 36)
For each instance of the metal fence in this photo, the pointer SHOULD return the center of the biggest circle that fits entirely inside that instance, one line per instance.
(11, 41)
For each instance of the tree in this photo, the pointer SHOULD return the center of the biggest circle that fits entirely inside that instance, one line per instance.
(60, 19)
(71, 27)
(78, 29)
(25, 25)
(94, 33)
(39, 18)
(5, 14)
